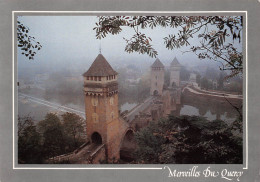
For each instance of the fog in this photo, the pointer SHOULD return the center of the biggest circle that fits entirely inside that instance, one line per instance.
(69, 46)
(69, 42)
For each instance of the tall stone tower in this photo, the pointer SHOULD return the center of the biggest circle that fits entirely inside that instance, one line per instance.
(157, 78)
(175, 73)
(101, 106)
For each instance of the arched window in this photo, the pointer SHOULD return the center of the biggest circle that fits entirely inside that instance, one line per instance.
(112, 115)
(94, 101)
(111, 101)
(95, 117)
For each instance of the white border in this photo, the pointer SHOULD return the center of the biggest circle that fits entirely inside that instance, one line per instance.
(124, 12)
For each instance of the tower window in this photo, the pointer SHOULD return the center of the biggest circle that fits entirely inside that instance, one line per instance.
(95, 117)
(111, 101)
(94, 101)
(112, 115)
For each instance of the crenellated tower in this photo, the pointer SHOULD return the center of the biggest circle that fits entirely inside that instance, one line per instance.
(175, 73)
(157, 78)
(101, 106)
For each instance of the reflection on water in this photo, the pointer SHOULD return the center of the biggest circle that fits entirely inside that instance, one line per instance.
(191, 110)
(209, 108)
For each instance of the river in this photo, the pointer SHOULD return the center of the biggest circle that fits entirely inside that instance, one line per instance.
(209, 109)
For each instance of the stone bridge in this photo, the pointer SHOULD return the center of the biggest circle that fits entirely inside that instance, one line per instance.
(110, 133)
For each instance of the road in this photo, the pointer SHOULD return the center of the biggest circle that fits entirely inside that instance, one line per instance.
(51, 104)
(141, 107)
(215, 94)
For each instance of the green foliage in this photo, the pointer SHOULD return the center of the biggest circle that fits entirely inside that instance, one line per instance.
(29, 149)
(204, 83)
(234, 86)
(221, 81)
(138, 43)
(198, 79)
(213, 33)
(74, 128)
(189, 139)
(28, 44)
(53, 135)
(49, 138)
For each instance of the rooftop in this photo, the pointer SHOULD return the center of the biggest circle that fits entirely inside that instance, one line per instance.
(157, 63)
(175, 62)
(100, 67)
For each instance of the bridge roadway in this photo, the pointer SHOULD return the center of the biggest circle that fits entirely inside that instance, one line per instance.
(198, 91)
(139, 108)
(51, 104)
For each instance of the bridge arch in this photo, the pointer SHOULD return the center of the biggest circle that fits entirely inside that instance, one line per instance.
(96, 138)
(174, 84)
(155, 92)
(127, 145)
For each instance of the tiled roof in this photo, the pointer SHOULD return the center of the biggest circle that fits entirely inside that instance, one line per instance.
(175, 62)
(157, 63)
(100, 67)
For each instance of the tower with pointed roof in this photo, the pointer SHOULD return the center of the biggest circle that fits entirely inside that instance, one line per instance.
(101, 106)
(157, 78)
(175, 73)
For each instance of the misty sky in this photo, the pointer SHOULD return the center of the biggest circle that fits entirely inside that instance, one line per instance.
(69, 41)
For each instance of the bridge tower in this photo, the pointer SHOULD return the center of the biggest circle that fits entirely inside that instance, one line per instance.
(101, 106)
(175, 73)
(157, 78)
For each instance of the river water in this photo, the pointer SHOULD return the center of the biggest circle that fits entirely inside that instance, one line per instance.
(38, 110)
(209, 109)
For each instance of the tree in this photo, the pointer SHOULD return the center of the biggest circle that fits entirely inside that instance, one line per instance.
(204, 83)
(73, 127)
(198, 79)
(221, 81)
(29, 147)
(214, 34)
(52, 133)
(189, 140)
(28, 44)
